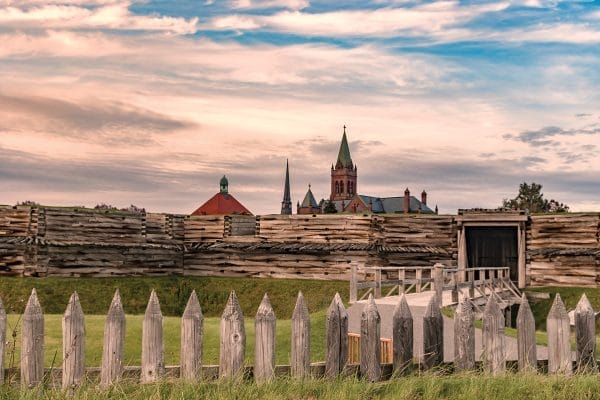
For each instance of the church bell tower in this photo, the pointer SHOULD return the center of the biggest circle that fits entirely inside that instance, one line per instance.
(344, 174)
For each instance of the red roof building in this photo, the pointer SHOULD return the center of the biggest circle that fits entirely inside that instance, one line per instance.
(222, 203)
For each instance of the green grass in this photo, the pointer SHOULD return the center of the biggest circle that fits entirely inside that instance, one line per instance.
(94, 325)
(416, 387)
(173, 292)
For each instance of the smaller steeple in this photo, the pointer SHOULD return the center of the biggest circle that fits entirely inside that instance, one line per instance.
(224, 184)
(286, 204)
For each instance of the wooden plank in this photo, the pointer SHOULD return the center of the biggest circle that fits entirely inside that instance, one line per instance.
(402, 337)
(114, 341)
(370, 347)
(232, 340)
(493, 342)
(32, 344)
(464, 336)
(73, 326)
(2, 339)
(526, 341)
(153, 356)
(336, 331)
(585, 330)
(192, 334)
(433, 335)
(300, 367)
(559, 345)
(264, 348)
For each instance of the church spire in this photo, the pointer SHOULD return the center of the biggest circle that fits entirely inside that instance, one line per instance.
(344, 159)
(286, 204)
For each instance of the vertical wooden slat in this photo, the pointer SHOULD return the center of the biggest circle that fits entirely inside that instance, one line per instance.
(419, 280)
(2, 339)
(559, 345)
(526, 343)
(353, 283)
(300, 339)
(464, 336)
(192, 335)
(32, 345)
(433, 335)
(585, 328)
(336, 332)
(370, 346)
(73, 326)
(402, 334)
(377, 283)
(232, 339)
(493, 358)
(264, 348)
(438, 281)
(153, 356)
(114, 340)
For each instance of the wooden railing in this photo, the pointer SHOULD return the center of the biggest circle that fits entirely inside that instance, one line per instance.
(479, 282)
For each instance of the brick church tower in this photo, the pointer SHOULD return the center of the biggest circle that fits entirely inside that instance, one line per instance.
(344, 174)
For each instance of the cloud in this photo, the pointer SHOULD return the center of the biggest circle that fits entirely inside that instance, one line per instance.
(540, 137)
(100, 15)
(262, 4)
(91, 120)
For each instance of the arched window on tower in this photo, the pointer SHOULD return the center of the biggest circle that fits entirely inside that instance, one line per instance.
(342, 187)
(351, 187)
(337, 187)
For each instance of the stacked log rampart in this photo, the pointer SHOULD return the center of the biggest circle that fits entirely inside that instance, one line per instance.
(564, 249)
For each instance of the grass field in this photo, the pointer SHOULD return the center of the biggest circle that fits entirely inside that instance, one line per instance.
(472, 386)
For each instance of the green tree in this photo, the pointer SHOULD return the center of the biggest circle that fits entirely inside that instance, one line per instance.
(329, 208)
(531, 198)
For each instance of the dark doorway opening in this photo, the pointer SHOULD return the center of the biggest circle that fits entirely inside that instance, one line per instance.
(489, 247)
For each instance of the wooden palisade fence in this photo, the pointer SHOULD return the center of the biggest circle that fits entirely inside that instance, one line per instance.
(233, 341)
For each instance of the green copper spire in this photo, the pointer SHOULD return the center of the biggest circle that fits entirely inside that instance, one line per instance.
(344, 158)
(224, 184)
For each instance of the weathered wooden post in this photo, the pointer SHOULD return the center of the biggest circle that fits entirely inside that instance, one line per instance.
(526, 344)
(233, 340)
(559, 345)
(353, 283)
(336, 338)
(191, 339)
(114, 340)
(2, 339)
(455, 287)
(300, 339)
(494, 358)
(433, 335)
(464, 336)
(32, 345)
(585, 328)
(153, 356)
(370, 345)
(438, 281)
(402, 336)
(377, 282)
(73, 326)
(264, 348)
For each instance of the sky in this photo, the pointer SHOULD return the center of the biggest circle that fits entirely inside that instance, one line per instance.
(152, 102)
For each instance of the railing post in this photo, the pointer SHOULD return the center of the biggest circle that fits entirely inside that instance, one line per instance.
(353, 283)
(378, 283)
(438, 281)
(455, 286)
(472, 284)
(419, 279)
(402, 278)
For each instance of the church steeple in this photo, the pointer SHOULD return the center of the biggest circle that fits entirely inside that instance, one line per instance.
(286, 204)
(224, 185)
(344, 175)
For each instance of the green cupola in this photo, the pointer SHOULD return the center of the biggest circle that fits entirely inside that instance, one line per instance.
(224, 183)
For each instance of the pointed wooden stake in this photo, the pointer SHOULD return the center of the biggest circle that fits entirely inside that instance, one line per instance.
(526, 344)
(336, 332)
(153, 356)
(264, 348)
(114, 340)
(73, 325)
(370, 342)
(559, 344)
(585, 328)
(464, 336)
(300, 339)
(2, 339)
(402, 336)
(32, 345)
(433, 335)
(233, 340)
(191, 339)
(494, 358)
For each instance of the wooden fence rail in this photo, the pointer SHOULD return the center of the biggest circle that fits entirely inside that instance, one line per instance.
(374, 362)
